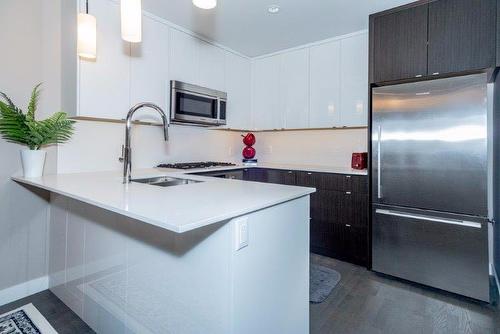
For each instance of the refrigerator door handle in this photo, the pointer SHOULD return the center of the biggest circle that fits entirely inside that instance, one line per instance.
(429, 218)
(379, 162)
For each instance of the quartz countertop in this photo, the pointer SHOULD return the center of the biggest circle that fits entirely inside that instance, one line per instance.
(296, 167)
(179, 208)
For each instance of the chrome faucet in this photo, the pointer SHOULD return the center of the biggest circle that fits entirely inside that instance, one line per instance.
(126, 149)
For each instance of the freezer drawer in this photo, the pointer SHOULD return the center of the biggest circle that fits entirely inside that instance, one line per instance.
(445, 251)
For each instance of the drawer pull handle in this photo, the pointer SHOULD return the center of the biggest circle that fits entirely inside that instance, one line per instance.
(309, 173)
(348, 192)
(290, 172)
(428, 218)
(348, 225)
(348, 176)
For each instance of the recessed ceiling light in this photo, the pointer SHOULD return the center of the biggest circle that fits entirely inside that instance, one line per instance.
(205, 4)
(273, 9)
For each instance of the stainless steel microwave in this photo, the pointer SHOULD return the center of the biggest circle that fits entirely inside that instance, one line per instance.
(191, 104)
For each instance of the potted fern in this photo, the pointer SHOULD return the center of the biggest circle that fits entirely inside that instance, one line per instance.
(23, 128)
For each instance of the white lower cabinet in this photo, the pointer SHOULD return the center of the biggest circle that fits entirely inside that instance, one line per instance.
(267, 110)
(294, 89)
(354, 81)
(238, 83)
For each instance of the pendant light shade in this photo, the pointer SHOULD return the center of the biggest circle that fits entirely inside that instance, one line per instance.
(205, 4)
(131, 16)
(87, 36)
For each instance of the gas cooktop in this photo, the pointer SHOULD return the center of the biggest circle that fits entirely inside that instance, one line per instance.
(194, 165)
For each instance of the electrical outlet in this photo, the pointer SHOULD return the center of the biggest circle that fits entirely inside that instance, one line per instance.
(240, 233)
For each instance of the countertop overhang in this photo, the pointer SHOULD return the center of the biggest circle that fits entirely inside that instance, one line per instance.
(179, 208)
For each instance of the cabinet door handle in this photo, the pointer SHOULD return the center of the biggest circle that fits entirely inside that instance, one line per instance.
(418, 76)
(290, 172)
(435, 73)
(309, 173)
(347, 192)
(348, 225)
(348, 176)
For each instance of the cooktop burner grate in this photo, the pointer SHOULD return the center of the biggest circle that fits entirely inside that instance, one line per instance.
(194, 165)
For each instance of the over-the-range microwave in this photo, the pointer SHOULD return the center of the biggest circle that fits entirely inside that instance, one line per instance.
(191, 104)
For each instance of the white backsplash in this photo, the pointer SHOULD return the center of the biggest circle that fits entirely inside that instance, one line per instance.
(96, 146)
(312, 147)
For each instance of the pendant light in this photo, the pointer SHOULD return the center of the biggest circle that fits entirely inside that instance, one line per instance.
(131, 16)
(87, 34)
(205, 4)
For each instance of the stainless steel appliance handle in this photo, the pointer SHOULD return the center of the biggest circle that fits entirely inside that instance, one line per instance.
(379, 162)
(428, 218)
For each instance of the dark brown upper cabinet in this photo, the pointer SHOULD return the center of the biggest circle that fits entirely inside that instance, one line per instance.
(400, 44)
(462, 35)
(429, 38)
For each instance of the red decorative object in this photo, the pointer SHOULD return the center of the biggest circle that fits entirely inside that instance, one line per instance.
(248, 151)
(249, 139)
(359, 160)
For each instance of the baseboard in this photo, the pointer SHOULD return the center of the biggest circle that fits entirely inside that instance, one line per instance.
(23, 290)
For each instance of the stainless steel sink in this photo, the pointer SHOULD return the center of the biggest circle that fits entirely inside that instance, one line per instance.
(165, 181)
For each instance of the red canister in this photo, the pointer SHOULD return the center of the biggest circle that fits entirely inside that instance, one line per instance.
(359, 160)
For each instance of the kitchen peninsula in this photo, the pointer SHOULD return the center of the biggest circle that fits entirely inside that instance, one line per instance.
(189, 258)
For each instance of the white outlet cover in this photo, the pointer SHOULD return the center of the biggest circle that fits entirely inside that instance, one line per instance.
(241, 234)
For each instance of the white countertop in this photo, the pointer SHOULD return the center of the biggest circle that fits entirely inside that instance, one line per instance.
(296, 167)
(179, 208)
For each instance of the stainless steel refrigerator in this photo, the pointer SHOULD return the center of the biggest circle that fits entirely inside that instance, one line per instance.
(429, 169)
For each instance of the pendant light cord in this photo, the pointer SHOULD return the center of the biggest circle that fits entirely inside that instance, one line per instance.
(87, 6)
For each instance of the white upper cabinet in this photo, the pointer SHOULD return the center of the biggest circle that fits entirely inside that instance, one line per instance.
(354, 79)
(294, 88)
(149, 69)
(238, 91)
(267, 107)
(104, 82)
(325, 85)
(212, 66)
(184, 62)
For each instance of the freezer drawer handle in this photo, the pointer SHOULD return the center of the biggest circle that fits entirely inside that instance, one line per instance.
(429, 218)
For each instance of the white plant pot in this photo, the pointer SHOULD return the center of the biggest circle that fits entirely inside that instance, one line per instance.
(33, 162)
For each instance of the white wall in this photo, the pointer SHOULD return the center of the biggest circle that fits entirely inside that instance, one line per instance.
(26, 61)
(97, 146)
(313, 147)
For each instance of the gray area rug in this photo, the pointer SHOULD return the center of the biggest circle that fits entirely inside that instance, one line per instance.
(25, 320)
(322, 281)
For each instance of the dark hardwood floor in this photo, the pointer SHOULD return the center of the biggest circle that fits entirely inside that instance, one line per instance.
(366, 302)
(363, 302)
(54, 310)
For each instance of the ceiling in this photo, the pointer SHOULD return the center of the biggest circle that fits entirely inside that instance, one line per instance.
(246, 27)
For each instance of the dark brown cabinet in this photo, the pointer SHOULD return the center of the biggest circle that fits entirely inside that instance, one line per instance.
(338, 208)
(431, 38)
(339, 215)
(281, 176)
(462, 35)
(400, 44)
(255, 174)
